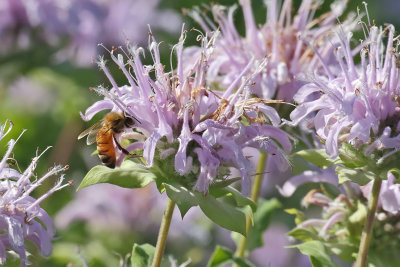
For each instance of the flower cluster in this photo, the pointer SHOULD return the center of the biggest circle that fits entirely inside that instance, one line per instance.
(292, 44)
(360, 103)
(21, 217)
(181, 114)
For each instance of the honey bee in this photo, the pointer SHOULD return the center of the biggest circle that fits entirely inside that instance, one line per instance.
(104, 133)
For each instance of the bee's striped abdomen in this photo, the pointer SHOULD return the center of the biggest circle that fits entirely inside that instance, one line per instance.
(105, 147)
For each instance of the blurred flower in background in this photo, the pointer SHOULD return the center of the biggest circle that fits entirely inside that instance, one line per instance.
(79, 26)
(292, 44)
(21, 217)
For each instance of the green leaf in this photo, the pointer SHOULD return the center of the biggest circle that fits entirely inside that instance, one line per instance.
(352, 157)
(304, 234)
(223, 255)
(183, 198)
(359, 215)
(395, 172)
(129, 175)
(240, 199)
(224, 214)
(300, 217)
(343, 249)
(359, 176)
(262, 218)
(317, 253)
(224, 183)
(142, 255)
(316, 156)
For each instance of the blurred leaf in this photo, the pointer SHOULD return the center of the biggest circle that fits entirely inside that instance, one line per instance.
(223, 255)
(262, 218)
(352, 157)
(224, 214)
(343, 249)
(129, 175)
(300, 217)
(358, 176)
(317, 253)
(183, 198)
(359, 215)
(317, 157)
(142, 256)
(304, 234)
(396, 173)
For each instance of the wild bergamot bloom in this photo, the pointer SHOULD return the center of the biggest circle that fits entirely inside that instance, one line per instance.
(360, 103)
(292, 44)
(21, 217)
(182, 118)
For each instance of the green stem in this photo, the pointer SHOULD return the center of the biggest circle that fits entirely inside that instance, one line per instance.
(367, 231)
(162, 235)
(255, 192)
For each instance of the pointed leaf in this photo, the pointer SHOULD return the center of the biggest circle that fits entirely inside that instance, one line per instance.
(224, 214)
(304, 234)
(183, 198)
(222, 256)
(359, 176)
(142, 256)
(129, 175)
(317, 253)
(238, 197)
(352, 157)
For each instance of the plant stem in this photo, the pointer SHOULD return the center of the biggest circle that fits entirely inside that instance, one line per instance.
(367, 231)
(163, 233)
(255, 192)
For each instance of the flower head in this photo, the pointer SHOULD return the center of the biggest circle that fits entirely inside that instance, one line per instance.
(292, 44)
(182, 116)
(21, 217)
(358, 104)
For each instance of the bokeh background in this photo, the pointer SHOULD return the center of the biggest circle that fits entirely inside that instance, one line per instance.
(47, 54)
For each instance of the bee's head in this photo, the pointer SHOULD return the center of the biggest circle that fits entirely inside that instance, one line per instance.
(129, 122)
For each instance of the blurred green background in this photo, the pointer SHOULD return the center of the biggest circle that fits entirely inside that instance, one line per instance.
(45, 96)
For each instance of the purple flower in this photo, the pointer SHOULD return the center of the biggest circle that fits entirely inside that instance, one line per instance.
(292, 44)
(389, 196)
(179, 107)
(84, 23)
(21, 217)
(356, 104)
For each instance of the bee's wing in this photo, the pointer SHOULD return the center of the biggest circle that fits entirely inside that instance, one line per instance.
(91, 132)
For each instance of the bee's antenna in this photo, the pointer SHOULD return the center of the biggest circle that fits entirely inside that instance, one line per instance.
(132, 117)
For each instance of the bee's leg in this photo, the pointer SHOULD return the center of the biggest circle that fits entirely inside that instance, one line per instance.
(126, 152)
